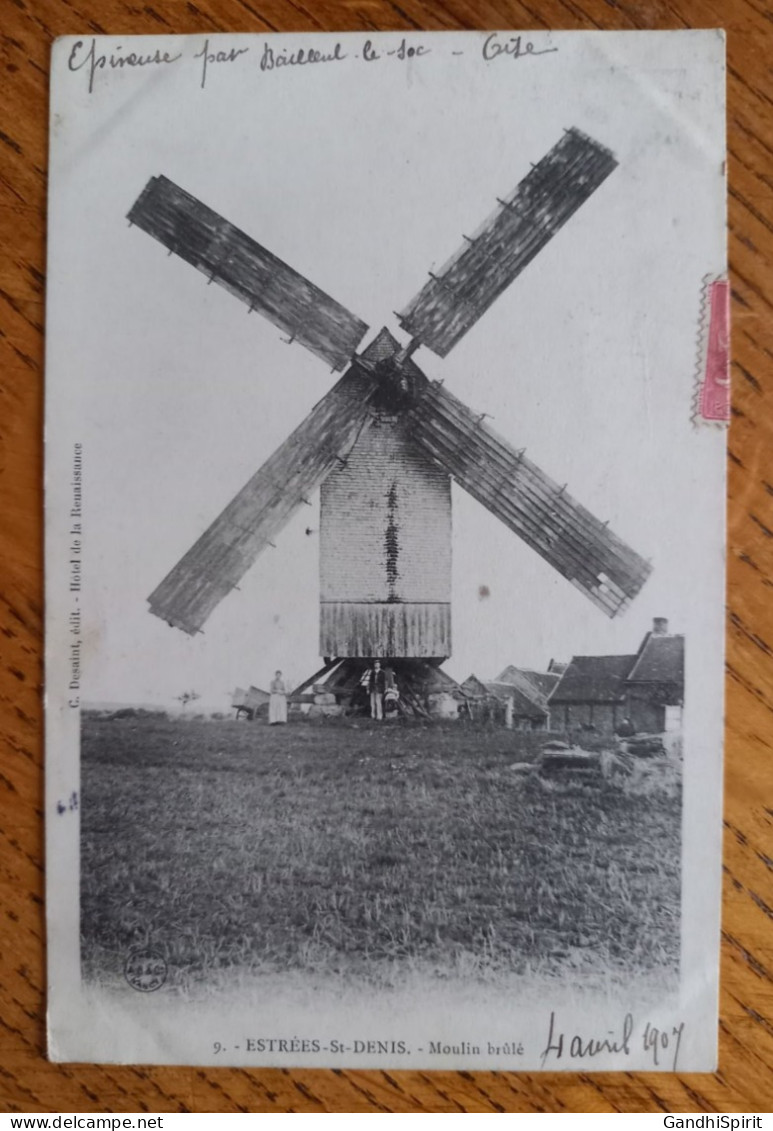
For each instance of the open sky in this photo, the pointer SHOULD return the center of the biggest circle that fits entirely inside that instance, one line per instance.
(363, 176)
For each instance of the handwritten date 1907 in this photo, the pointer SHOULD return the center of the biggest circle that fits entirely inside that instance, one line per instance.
(655, 1042)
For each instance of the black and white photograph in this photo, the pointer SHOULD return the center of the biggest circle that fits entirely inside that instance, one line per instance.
(385, 437)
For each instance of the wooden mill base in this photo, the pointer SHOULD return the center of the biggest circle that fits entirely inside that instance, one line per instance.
(425, 690)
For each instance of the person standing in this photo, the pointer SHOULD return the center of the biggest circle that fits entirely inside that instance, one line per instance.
(277, 704)
(376, 687)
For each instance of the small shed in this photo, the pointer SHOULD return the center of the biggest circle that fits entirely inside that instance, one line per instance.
(474, 688)
(531, 690)
(481, 703)
(525, 711)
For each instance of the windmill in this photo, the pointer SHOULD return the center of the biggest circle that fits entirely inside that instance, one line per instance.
(384, 444)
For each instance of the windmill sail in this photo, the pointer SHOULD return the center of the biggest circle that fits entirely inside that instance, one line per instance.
(453, 300)
(216, 563)
(514, 489)
(246, 269)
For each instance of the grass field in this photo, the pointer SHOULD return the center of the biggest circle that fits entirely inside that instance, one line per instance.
(365, 851)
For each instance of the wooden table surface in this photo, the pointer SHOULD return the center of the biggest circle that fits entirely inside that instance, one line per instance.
(744, 1082)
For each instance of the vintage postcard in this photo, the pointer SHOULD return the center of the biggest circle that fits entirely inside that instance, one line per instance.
(386, 389)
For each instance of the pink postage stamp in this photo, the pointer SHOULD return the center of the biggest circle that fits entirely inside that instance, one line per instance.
(713, 365)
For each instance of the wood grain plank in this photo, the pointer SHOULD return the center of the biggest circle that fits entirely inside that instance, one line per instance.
(744, 1082)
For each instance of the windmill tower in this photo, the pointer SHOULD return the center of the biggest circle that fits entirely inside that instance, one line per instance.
(384, 443)
(385, 541)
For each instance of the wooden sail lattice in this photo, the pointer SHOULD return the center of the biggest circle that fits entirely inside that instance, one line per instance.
(385, 378)
(582, 549)
(456, 296)
(248, 270)
(218, 561)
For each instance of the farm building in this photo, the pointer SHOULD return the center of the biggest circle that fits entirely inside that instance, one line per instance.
(474, 688)
(655, 684)
(479, 703)
(518, 696)
(533, 684)
(493, 702)
(513, 698)
(530, 691)
(521, 711)
(591, 694)
(599, 692)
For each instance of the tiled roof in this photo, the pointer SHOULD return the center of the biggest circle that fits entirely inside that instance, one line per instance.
(522, 705)
(661, 660)
(475, 687)
(536, 686)
(593, 679)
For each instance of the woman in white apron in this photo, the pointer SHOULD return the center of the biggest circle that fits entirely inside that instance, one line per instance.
(277, 704)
